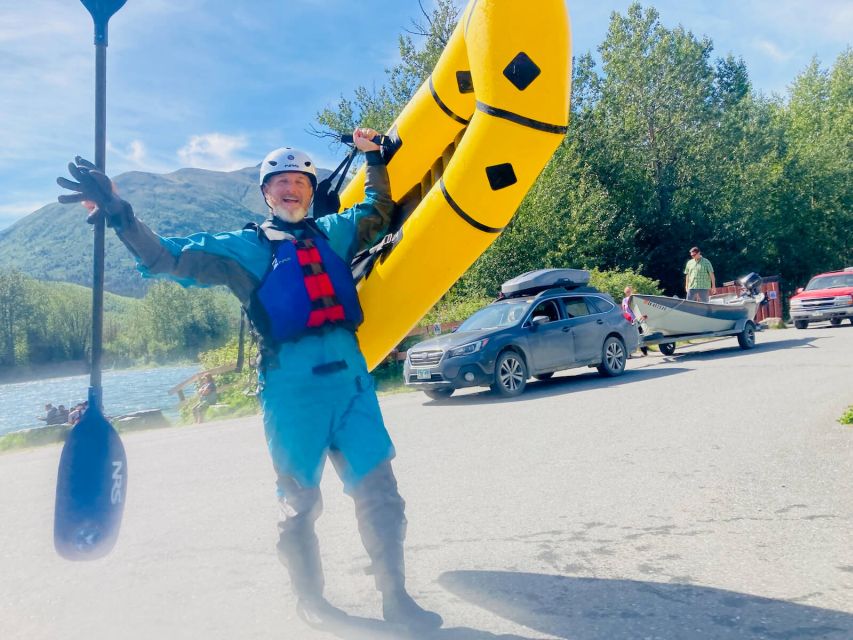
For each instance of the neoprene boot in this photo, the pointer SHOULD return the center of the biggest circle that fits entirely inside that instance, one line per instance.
(382, 524)
(299, 551)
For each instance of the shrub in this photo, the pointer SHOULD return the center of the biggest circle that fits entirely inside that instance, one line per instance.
(236, 389)
(614, 283)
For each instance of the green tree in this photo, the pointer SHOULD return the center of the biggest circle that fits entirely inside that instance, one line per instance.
(15, 304)
(174, 322)
(815, 208)
(377, 108)
(60, 326)
(648, 118)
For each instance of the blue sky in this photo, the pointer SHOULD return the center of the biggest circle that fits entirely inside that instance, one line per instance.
(217, 83)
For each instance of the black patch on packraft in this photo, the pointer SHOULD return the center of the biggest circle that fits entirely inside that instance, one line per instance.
(522, 71)
(465, 82)
(501, 176)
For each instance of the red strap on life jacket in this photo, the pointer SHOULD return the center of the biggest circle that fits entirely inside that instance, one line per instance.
(321, 292)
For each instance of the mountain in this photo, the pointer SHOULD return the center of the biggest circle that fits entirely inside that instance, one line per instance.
(55, 243)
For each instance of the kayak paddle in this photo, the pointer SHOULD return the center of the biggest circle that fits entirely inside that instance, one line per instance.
(92, 481)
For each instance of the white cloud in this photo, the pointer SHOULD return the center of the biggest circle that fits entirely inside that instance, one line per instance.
(133, 156)
(217, 151)
(772, 50)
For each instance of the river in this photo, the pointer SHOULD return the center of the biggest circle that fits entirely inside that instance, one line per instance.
(125, 391)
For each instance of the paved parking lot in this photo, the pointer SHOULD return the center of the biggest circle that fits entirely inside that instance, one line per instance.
(706, 495)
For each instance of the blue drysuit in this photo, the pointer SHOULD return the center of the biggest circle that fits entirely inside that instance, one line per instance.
(307, 416)
(317, 396)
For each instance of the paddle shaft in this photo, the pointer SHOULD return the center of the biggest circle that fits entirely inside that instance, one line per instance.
(101, 11)
(95, 392)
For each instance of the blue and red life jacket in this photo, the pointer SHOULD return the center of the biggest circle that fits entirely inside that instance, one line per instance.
(308, 287)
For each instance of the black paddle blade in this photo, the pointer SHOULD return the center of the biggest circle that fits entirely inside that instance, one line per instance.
(90, 489)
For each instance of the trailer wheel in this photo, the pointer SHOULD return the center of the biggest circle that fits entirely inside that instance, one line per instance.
(746, 338)
(667, 348)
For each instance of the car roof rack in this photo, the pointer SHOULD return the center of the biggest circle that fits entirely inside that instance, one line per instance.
(534, 282)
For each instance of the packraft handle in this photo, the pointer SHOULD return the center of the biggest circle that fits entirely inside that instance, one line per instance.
(382, 141)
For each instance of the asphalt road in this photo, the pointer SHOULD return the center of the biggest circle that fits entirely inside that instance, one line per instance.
(708, 495)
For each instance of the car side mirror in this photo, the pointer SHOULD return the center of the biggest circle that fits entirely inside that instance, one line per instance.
(800, 289)
(537, 320)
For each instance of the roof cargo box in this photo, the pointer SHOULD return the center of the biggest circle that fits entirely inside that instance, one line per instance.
(542, 279)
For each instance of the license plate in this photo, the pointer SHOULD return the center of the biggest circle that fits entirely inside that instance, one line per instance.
(424, 374)
(816, 313)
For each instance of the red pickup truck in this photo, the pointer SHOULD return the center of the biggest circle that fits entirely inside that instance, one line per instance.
(827, 296)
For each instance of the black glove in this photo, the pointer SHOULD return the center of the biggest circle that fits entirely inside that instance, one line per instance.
(94, 185)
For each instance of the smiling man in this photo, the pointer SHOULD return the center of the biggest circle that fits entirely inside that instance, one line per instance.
(288, 194)
(292, 275)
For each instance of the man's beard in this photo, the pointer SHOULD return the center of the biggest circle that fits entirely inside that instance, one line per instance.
(296, 215)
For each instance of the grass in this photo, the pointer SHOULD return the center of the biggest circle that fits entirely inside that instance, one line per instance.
(847, 416)
(40, 436)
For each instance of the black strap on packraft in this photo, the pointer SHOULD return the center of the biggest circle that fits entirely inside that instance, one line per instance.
(362, 263)
(327, 198)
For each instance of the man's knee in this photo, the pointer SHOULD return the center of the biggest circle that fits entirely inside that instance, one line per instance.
(379, 482)
(299, 506)
(377, 499)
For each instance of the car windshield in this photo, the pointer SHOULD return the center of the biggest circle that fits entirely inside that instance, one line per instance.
(831, 282)
(495, 316)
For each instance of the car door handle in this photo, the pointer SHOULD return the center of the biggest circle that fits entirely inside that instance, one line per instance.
(566, 329)
(599, 321)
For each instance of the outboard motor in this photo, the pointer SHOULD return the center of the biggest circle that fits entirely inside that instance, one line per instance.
(751, 284)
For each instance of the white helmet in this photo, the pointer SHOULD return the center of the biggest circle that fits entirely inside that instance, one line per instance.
(288, 159)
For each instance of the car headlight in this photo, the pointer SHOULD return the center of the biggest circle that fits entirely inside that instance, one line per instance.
(796, 303)
(468, 349)
(843, 301)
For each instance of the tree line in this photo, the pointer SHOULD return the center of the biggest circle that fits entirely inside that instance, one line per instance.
(49, 322)
(668, 147)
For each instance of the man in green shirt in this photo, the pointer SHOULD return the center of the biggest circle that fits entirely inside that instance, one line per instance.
(699, 277)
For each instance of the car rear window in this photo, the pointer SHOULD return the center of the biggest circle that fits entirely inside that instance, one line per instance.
(600, 305)
(576, 306)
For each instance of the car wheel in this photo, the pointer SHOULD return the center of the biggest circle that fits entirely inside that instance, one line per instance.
(835, 321)
(613, 357)
(667, 348)
(801, 324)
(510, 374)
(440, 393)
(544, 376)
(746, 338)
(851, 320)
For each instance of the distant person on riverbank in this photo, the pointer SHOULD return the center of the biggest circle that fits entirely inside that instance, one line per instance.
(292, 275)
(207, 395)
(51, 414)
(63, 414)
(74, 415)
